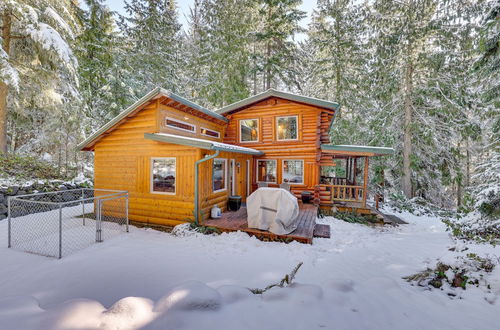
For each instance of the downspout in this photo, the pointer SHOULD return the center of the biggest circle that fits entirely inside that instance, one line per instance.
(196, 192)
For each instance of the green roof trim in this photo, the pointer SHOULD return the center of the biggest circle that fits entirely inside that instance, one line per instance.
(283, 95)
(364, 149)
(200, 143)
(157, 92)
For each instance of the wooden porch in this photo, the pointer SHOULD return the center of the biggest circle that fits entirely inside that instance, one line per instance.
(306, 230)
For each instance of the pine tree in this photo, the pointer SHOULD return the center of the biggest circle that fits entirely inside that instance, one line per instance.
(225, 38)
(37, 69)
(274, 50)
(153, 44)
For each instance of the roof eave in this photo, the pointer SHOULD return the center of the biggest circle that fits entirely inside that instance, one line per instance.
(140, 102)
(197, 144)
(153, 94)
(361, 150)
(272, 92)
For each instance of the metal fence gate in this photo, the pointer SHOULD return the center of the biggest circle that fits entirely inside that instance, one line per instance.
(58, 223)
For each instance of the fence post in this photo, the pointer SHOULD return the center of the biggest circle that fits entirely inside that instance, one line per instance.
(83, 205)
(126, 210)
(8, 220)
(98, 237)
(60, 231)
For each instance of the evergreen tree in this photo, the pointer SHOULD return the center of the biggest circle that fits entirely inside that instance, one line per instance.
(274, 49)
(96, 49)
(38, 81)
(153, 44)
(227, 27)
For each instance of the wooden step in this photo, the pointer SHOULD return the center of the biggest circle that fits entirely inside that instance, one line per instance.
(321, 230)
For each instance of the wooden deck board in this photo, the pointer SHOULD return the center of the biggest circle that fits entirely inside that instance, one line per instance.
(234, 221)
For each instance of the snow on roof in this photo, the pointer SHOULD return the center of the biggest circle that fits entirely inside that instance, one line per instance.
(358, 148)
(283, 95)
(200, 143)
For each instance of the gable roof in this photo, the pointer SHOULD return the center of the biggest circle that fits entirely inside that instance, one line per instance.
(272, 92)
(152, 95)
(200, 143)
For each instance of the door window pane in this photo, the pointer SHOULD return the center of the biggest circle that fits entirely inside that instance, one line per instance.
(249, 130)
(293, 171)
(287, 128)
(163, 175)
(219, 174)
(266, 171)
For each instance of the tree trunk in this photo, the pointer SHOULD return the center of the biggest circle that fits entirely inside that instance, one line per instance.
(4, 89)
(459, 183)
(467, 163)
(407, 146)
(268, 66)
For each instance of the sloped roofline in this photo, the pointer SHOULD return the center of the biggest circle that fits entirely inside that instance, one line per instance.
(155, 93)
(284, 95)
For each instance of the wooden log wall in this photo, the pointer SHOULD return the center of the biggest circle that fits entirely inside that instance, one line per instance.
(123, 162)
(313, 124)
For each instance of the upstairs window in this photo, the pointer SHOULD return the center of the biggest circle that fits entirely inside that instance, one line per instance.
(180, 125)
(163, 173)
(293, 171)
(287, 128)
(266, 171)
(219, 176)
(210, 133)
(249, 130)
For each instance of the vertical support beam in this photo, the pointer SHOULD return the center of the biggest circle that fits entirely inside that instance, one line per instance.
(355, 168)
(9, 215)
(347, 170)
(365, 181)
(60, 231)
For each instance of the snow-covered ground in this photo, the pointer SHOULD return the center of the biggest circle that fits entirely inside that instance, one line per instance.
(154, 280)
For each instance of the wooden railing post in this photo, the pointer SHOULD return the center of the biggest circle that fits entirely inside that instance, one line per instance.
(365, 181)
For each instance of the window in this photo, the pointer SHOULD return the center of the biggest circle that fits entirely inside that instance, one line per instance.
(286, 128)
(266, 171)
(293, 171)
(219, 175)
(209, 132)
(249, 130)
(163, 175)
(180, 125)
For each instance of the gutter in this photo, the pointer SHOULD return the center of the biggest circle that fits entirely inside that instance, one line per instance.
(196, 188)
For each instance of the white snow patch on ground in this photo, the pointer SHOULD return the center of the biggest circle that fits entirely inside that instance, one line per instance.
(153, 280)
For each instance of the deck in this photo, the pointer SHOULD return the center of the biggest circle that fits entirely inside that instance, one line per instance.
(306, 230)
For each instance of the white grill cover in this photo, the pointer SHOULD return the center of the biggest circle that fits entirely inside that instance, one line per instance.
(273, 209)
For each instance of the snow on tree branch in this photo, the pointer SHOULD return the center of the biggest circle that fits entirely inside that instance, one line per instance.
(8, 73)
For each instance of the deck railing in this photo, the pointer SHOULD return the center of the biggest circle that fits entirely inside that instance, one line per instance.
(346, 193)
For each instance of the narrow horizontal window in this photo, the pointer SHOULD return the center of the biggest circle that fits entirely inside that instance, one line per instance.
(266, 171)
(177, 124)
(287, 128)
(163, 175)
(209, 132)
(249, 130)
(293, 171)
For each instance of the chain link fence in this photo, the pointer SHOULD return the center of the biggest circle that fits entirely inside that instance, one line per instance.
(56, 224)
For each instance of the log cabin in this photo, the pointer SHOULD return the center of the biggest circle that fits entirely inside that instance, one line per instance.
(178, 159)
